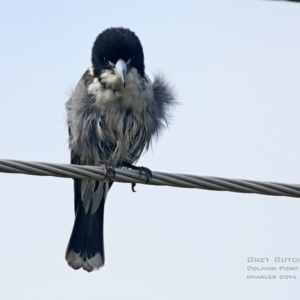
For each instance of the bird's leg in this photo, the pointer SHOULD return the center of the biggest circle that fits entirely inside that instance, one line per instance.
(109, 171)
(141, 170)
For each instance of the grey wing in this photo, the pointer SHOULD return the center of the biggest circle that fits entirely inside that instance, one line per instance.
(86, 245)
(84, 143)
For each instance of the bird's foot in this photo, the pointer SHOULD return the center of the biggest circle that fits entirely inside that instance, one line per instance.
(109, 171)
(147, 171)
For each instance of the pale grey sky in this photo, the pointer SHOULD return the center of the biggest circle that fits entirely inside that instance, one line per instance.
(236, 67)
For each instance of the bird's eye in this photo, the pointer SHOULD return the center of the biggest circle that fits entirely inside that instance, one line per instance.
(108, 62)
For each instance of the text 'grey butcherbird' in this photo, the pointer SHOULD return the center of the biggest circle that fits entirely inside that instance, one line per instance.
(113, 114)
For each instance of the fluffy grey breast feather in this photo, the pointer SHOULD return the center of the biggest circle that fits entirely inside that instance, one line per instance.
(113, 127)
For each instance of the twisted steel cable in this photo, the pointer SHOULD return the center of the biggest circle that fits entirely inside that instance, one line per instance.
(159, 178)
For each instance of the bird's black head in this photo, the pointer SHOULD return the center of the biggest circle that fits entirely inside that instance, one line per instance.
(117, 43)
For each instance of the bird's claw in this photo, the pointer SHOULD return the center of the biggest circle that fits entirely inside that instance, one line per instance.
(109, 171)
(147, 171)
(133, 186)
(141, 170)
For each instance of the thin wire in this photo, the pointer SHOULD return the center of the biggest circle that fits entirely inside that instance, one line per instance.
(159, 178)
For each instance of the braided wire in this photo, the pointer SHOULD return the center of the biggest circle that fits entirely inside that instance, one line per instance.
(159, 178)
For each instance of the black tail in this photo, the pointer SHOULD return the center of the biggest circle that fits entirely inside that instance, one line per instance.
(86, 246)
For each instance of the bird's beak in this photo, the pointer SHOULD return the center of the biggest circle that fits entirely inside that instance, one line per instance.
(120, 70)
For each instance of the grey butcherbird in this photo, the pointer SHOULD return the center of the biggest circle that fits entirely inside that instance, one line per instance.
(113, 114)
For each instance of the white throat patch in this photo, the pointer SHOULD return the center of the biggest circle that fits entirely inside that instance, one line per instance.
(111, 89)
